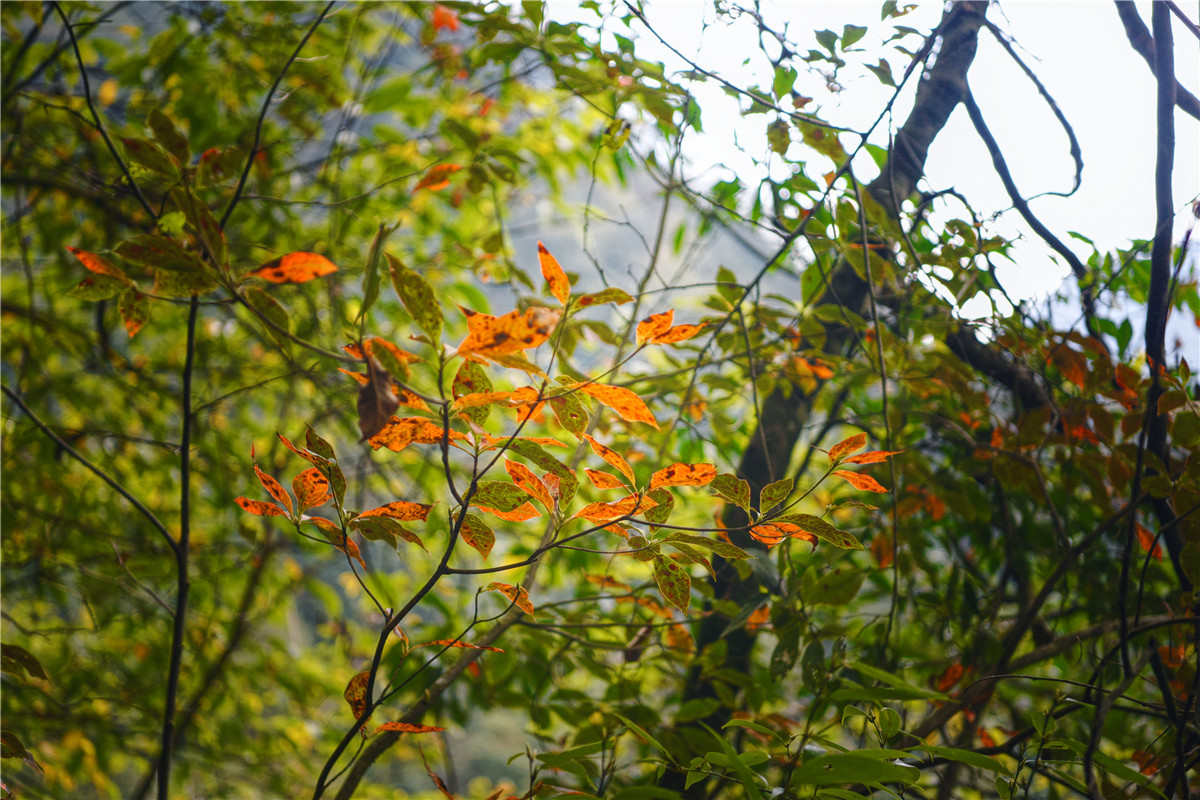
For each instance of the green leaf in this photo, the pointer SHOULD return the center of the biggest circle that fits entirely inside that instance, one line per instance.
(633, 726)
(269, 308)
(822, 530)
(855, 767)
(673, 582)
(570, 413)
(568, 483)
(169, 137)
(478, 535)
(471, 378)
(732, 489)
(851, 34)
(661, 512)
(968, 757)
(499, 495)
(610, 295)
(837, 587)
(16, 660)
(754, 726)
(386, 529)
(418, 298)
(744, 774)
(181, 284)
(773, 494)
(370, 281)
(723, 549)
(146, 153)
(159, 252)
(97, 287)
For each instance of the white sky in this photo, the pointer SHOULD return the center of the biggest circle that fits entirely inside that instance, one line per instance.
(1079, 51)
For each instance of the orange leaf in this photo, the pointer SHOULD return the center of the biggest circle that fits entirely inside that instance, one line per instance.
(333, 534)
(625, 507)
(443, 17)
(873, 457)
(523, 512)
(259, 508)
(356, 696)
(405, 512)
(847, 446)
(437, 177)
(882, 551)
(405, 727)
(134, 310)
(529, 483)
(295, 268)
(864, 482)
(311, 488)
(623, 401)
(679, 638)
(274, 488)
(400, 432)
(476, 399)
(403, 356)
(492, 337)
(556, 279)
(677, 334)
(524, 401)
(1146, 539)
(950, 676)
(773, 533)
(612, 457)
(307, 455)
(683, 475)
(760, 617)
(99, 264)
(409, 398)
(605, 480)
(516, 594)
(460, 644)
(654, 325)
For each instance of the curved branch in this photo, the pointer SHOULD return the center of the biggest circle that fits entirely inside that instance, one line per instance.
(1141, 41)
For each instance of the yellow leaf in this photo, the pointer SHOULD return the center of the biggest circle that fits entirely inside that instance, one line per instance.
(524, 512)
(625, 507)
(295, 268)
(556, 279)
(492, 337)
(605, 480)
(612, 457)
(873, 457)
(623, 401)
(517, 594)
(654, 325)
(107, 93)
(529, 483)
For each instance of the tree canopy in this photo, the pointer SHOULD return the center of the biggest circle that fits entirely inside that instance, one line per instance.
(392, 408)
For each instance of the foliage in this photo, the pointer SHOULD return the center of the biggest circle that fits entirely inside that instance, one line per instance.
(276, 339)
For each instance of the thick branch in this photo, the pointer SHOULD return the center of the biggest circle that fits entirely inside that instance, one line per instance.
(1141, 41)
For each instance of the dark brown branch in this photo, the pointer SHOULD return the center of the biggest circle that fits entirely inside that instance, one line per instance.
(1141, 41)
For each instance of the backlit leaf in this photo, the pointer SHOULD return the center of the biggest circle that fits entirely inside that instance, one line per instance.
(625, 507)
(384, 528)
(458, 643)
(822, 530)
(97, 287)
(311, 489)
(478, 535)
(307, 455)
(134, 310)
(676, 334)
(673, 582)
(259, 508)
(356, 696)
(406, 727)
(400, 432)
(471, 380)
(772, 533)
(528, 482)
(683, 475)
(516, 594)
(623, 401)
(556, 279)
(400, 510)
(438, 177)
(418, 298)
(1146, 539)
(499, 494)
(654, 325)
(370, 281)
(612, 457)
(511, 333)
(295, 268)
(873, 457)
(570, 413)
(530, 448)
(274, 488)
(99, 264)
(773, 494)
(858, 481)
(847, 446)
(521, 513)
(723, 549)
(661, 512)
(605, 480)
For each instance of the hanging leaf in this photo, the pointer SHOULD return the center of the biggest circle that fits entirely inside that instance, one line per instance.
(159, 252)
(478, 535)
(376, 400)
(623, 401)
(490, 336)
(384, 528)
(134, 310)
(654, 325)
(612, 457)
(437, 178)
(684, 475)
(858, 481)
(418, 298)
(146, 153)
(847, 446)
(677, 334)
(674, 583)
(174, 142)
(295, 268)
(370, 281)
(311, 489)
(97, 287)
(400, 510)
(556, 279)
(516, 594)
(356, 696)
(99, 264)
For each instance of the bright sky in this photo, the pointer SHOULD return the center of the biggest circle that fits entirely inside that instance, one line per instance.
(1079, 51)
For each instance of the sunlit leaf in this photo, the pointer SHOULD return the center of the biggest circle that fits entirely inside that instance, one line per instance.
(458, 643)
(406, 727)
(859, 481)
(521, 513)
(516, 594)
(311, 489)
(873, 457)
(490, 336)
(772, 533)
(556, 279)
(400, 432)
(732, 489)
(677, 333)
(847, 446)
(472, 381)
(295, 268)
(623, 401)
(822, 530)
(612, 457)
(438, 177)
(773, 494)
(610, 295)
(605, 480)
(625, 507)
(274, 488)
(683, 475)
(400, 510)
(528, 482)
(654, 325)
(570, 413)
(723, 549)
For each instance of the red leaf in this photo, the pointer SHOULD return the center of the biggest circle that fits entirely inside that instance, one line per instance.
(437, 177)
(864, 482)
(274, 488)
(1146, 539)
(295, 268)
(443, 17)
